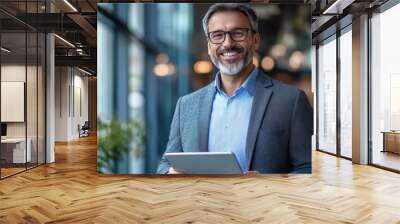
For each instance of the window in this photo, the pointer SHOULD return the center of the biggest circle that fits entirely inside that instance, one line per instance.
(106, 38)
(136, 90)
(22, 77)
(327, 96)
(385, 89)
(346, 93)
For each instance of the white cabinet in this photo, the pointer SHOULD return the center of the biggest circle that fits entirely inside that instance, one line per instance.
(18, 145)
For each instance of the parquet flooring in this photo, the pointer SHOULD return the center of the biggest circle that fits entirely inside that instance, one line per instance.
(70, 191)
(10, 171)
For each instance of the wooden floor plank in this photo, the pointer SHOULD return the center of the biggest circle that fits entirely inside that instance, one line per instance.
(70, 191)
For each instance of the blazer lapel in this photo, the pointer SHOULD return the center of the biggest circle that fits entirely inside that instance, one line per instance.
(206, 103)
(262, 96)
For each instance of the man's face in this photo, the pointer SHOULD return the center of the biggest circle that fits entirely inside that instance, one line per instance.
(230, 56)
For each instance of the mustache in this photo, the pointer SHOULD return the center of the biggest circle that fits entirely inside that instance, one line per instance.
(233, 48)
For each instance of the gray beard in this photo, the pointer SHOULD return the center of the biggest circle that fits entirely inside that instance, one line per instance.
(231, 69)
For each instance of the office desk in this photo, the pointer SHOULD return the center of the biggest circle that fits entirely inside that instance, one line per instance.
(391, 141)
(15, 148)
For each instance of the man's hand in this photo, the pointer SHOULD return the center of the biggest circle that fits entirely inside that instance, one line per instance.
(172, 171)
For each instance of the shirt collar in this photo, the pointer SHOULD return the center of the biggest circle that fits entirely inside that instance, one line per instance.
(248, 84)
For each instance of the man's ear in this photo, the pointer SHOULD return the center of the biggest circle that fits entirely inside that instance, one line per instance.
(257, 40)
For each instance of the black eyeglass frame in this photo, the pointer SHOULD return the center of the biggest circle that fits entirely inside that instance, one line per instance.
(230, 34)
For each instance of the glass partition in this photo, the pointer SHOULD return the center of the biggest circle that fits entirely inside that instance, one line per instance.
(385, 89)
(41, 106)
(346, 93)
(14, 153)
(31, 97)
(23, 91)
(327, 96)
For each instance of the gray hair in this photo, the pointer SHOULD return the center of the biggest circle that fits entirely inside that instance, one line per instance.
(222, 7)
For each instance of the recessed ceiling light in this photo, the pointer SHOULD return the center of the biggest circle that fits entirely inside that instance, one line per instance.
(5, 50)
(84, 71)
(338, 6)
(65, 41)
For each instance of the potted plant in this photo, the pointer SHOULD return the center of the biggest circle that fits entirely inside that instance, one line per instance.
(115, 140)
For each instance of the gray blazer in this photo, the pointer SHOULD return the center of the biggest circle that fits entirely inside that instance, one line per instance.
(279, 133)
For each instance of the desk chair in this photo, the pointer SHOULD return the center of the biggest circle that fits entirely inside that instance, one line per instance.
(84, 130)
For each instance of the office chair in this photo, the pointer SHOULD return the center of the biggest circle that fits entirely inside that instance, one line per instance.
(84, 130)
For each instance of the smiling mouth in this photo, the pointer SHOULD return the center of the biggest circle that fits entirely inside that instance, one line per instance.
(230, 56)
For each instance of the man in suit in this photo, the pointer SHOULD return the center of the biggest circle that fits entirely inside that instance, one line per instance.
(266, 124)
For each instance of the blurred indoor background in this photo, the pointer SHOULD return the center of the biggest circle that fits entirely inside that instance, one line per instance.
(151, 54)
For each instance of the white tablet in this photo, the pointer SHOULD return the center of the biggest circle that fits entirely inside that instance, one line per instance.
(204, 162)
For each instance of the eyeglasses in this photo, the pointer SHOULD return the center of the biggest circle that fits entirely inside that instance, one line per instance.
(238, 34)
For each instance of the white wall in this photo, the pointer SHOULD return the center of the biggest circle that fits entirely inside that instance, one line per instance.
(12, 73)
(71, 94)
(61, 103)
(80, 102)
(33, 126)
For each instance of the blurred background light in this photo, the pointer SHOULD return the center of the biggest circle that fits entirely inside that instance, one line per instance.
(267, 63)
(278, 50)
(136, 99)
(202, 67)
(164, 69)
(162, 59)
(296, 60)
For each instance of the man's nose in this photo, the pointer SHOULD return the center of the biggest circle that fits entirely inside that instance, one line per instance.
(228, 41)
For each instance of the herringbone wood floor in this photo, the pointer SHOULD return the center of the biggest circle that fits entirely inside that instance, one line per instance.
(70, 191)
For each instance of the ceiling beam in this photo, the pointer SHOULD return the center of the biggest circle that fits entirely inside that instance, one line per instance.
(337, 6)
(84, 24)
(82, 61)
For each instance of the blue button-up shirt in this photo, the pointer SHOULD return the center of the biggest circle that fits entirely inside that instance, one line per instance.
(230, 119)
